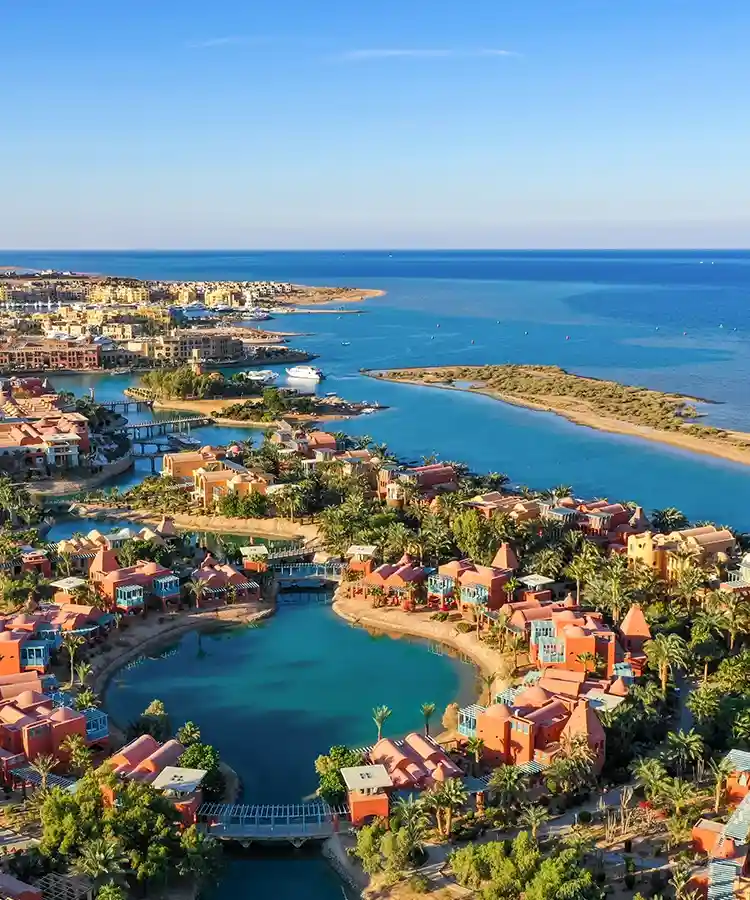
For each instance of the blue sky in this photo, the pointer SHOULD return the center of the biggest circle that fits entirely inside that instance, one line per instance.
(405, 123)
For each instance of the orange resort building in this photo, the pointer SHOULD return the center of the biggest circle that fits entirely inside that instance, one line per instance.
(584, 666)
(670, 554)
(128, 590)
(726, 843)
(564, 638)
(33, 723)
(28, 640)
(494, 503)
(211, 475)
(218, 580)
(531, 730)
(402, 583)
(146, 760)
(426, 481)
(82, 551)
(412, 764)
(463, 583)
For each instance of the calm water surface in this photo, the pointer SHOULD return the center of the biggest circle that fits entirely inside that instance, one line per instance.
(273, 698)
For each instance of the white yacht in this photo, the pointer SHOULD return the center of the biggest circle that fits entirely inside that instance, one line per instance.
(262, 376)
(305, 373)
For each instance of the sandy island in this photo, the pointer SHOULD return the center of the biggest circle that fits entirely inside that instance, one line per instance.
(307, 295)
(738, 452)
(208, 407)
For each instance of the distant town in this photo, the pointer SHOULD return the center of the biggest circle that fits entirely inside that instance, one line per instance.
(61, 321)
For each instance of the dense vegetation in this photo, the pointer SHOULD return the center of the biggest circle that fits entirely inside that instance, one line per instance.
(272, 405)
(553, 386)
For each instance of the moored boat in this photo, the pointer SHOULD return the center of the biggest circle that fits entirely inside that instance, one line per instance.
(305, 373)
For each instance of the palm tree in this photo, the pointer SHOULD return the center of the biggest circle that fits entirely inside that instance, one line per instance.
(668, 520)
(455, 796)
(580, 569)
(380, 715)
(650, 774)
(101, 860)
(188, 734)
(86, 699)
(83, 670)
(408, 812)
(475, 746)
(679, 794)
(690, 580)
(741, 727)
(72, 642)
(43, 765)
(510, 587)
(79, 755)
(736, 615)
(194, 591)
(428, 711)
(533, 817)
(684, 747)
(720, 771)
(665, 653)
(507, 783)
(587, 659)
(488, 682)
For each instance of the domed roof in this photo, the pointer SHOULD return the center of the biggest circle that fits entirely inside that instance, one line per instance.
(498, 711)
(6, 636)
(565, 615)
(151, 568)
(574, 631)
(569, 600)
(533, 696)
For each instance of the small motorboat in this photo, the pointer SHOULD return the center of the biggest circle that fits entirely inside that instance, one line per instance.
(345, 343)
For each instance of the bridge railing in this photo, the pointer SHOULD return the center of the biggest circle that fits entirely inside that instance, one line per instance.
(300, 821)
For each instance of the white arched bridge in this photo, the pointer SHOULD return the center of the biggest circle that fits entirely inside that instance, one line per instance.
(294, 824)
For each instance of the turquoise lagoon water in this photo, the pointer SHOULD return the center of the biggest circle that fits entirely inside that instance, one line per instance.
(675, 321)
(272, 698)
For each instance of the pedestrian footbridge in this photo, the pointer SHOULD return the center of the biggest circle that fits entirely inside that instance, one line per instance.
(293, 824)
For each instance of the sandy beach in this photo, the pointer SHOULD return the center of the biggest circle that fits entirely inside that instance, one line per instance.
(394, 620)
(713, 447)
(307, 295)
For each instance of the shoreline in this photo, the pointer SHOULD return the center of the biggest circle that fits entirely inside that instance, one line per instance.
(207, 407)
(704, 446)
(394, 621)
(316, 295)
(271, 528)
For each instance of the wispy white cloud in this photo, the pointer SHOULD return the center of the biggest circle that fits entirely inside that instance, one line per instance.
(230, 40)
(420, 53)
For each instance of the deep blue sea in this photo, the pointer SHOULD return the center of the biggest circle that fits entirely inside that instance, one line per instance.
(671, 320)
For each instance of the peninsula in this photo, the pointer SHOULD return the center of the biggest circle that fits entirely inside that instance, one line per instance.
(596, 403)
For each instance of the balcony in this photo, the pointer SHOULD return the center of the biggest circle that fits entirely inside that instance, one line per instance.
(129, 597)
(97, 724)
(166, 586)
(551, 650)
(35, 655)
(475, 594)
(467, 720)
(440, 585)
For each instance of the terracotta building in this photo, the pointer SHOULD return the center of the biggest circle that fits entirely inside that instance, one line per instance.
(128, 589)
(669, 554)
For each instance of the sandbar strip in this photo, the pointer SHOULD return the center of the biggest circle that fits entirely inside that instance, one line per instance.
(704, 446)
